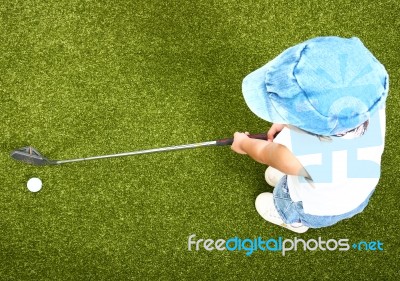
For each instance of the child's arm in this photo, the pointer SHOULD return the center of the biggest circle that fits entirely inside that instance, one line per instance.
(269, 153)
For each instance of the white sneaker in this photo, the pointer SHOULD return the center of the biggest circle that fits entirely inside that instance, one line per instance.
(266, 208)
(273, 176)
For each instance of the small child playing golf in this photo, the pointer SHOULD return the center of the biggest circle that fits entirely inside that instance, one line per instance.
(326, 100)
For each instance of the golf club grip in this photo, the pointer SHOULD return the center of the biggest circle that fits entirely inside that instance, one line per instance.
(229, 141)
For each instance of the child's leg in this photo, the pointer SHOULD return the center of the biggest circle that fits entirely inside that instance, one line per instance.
(293, 213)
(266, 207)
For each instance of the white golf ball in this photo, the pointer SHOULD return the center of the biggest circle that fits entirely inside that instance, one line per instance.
(34, 184)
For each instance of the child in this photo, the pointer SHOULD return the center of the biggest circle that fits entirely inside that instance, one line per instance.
(326, 98)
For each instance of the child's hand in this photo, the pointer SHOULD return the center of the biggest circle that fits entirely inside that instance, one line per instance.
(238, 139)
(275, 129)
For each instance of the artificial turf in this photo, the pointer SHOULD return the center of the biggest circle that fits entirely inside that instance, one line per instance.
(82, 78)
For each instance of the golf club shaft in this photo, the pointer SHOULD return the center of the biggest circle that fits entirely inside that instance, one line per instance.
(220, 142)
(147, 151)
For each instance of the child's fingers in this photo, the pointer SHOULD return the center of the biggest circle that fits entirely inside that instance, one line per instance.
(271, 133)
(275, 129)
(237, 140)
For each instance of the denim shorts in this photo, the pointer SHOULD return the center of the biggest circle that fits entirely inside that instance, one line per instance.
(292, 212)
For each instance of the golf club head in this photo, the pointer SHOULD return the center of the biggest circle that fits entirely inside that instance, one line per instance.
(31, 156)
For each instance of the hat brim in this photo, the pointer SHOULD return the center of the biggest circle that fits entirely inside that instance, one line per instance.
(257, 97)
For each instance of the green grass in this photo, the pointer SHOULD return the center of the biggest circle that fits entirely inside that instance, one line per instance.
(81, 78)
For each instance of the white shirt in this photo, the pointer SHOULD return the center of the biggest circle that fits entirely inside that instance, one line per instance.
(344, 171)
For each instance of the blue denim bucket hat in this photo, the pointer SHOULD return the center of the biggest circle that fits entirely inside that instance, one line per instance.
(326, 86)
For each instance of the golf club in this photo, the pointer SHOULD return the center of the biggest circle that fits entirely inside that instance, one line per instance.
(31, 156)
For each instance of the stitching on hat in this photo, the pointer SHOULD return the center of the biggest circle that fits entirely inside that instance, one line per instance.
(273, 105)
(338, 118)
(303, 91)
